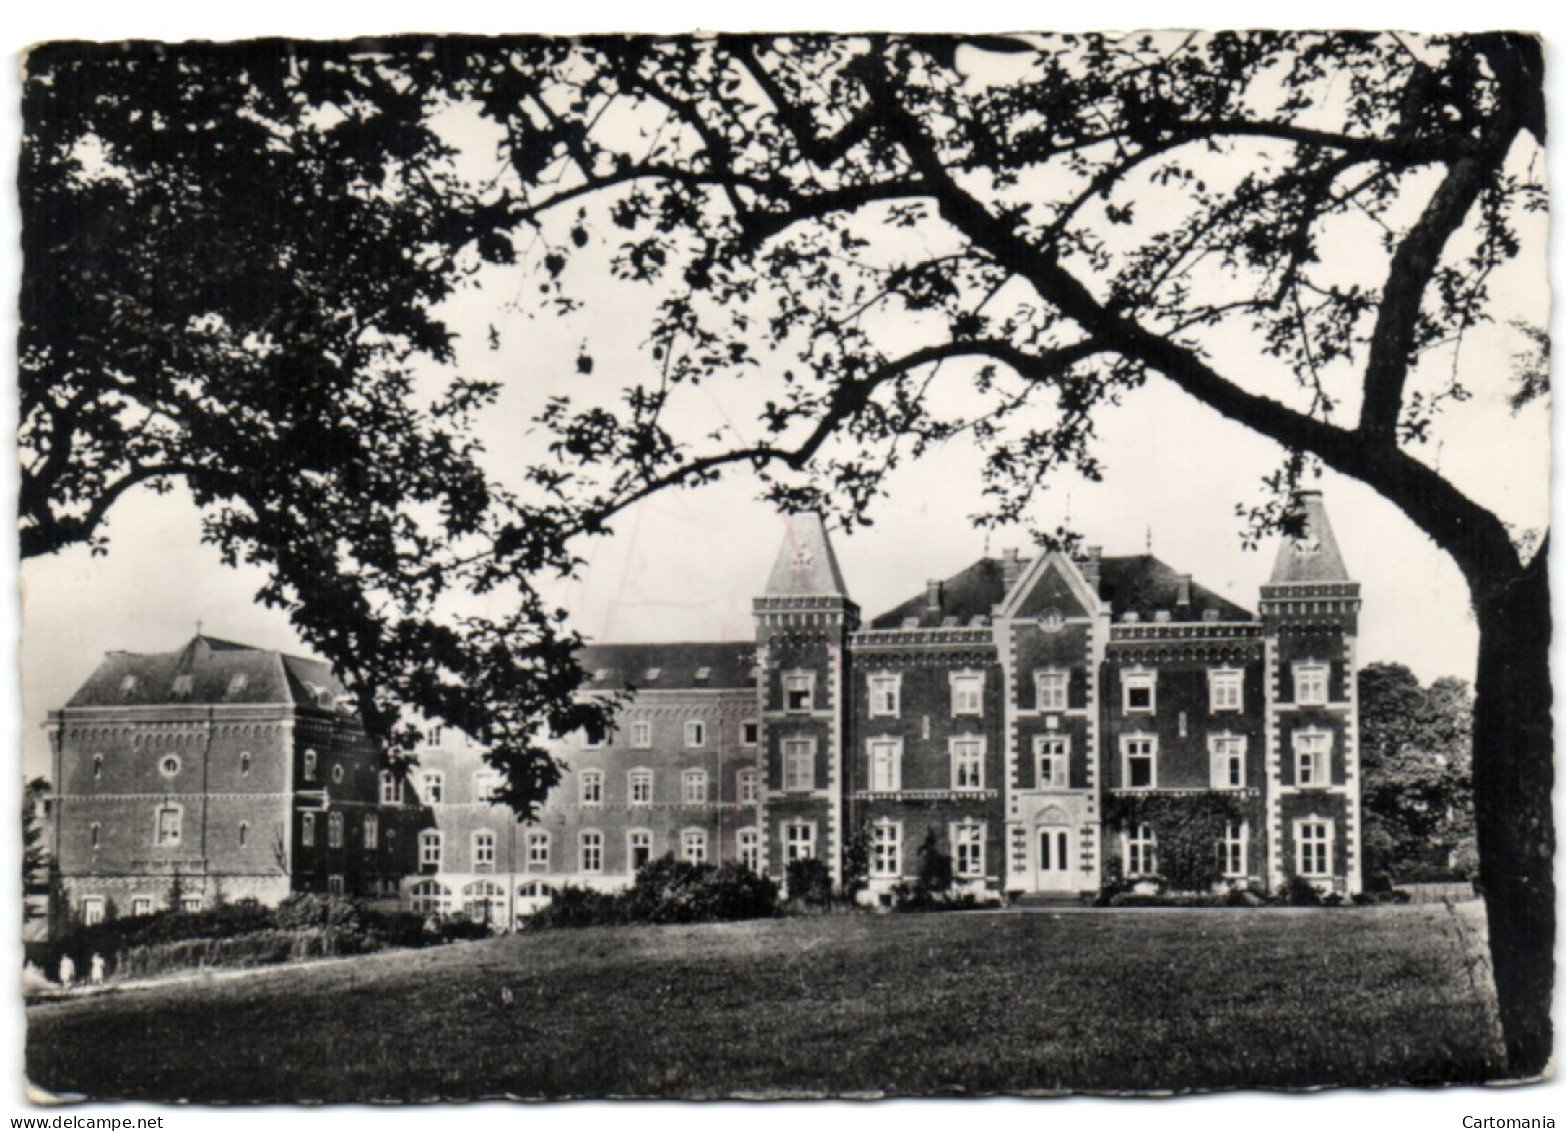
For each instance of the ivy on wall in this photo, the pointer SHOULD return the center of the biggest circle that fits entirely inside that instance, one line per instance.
(1188, 827)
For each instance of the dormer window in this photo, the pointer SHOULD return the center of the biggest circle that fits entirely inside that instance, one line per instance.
(601, 675)
(128, 686)
(653, 674)
(237, 685)
(703, 675)
(1210, 615)
(1129, 618)
(182, 686)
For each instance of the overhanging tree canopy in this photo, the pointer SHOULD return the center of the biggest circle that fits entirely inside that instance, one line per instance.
(1296, 230)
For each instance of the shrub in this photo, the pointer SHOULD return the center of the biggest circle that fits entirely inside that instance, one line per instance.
(574, 906)
(666, 891)
(311, 910)
(810, 882)
(1300, 892)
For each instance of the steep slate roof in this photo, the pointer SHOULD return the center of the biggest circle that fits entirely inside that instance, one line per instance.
(1139, 583)
(621, 667)
(211, 664)
(1314, 556)
(806, 565)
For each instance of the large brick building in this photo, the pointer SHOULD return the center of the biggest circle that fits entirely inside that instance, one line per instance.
(1044, 718)
(216, 771)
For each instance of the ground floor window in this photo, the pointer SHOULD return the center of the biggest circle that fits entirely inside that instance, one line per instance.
(484, 902)
(334, 885)
(886, 849)
(693, 845)
(1141, 851)
(1232, 849)
(191, 903)
(750, 849)
(799, 841)
(968, 854)
(592, 854)
(429, 898)
(141, 905)
(1314, 842)
(92, 910)
(639, 841)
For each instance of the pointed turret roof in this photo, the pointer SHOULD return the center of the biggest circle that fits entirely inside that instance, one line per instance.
(806, 565)
(1314, 555)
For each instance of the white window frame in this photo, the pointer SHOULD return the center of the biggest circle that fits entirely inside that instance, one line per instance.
(590, 852)
(885, 750)
(695, 734)
(1313, 744)
(632, 836)
(1312, 683)
(1305, 848)
(311, 764)
(591, 788)
(799, 681)
(967, 693)
(693, 787)
(432, 787)
(798, 848)
(141, 905)
(95, 835)
(967, 750)
(537, 842)
(1052, 689)
(391, 788)
(886, 694)
(886, 849)
(431, 845)
(748, 848)
(1225, 752)
(92, 910)
(750, 732)
(1140, 845)
(1060, 760)
(967, 840)
(748, 786)
(639, 786)
(307, 830)
(1234, 849)
(485, 783)
(641, 735)
(483, 853)
(1138, 679)
(192, 904)
(1225, 689)
(693, 846)
(169, 765)
(797, 753)
(1127, 742)
(372, 830)
(178, 838)
(244, 763)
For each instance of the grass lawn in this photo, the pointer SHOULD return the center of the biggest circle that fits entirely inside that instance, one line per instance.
(900, 1004)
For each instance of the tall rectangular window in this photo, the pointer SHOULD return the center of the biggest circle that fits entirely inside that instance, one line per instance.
(886, 849)
(750, 849)
(749, 786)
(799, 690)
(886, 769)
(885, 695)
(799, 841)
(434, 787)
(1225, 689)
(1232, 849)
(1310, 684)
(429, 849)
(1054, 758)
(1313, 841)
(592, 786)
(639, 843)
(967, 693)
(92, 910)
(1141, 851)
(307, 830)
(641, 786)
(968, 851)
(391, 788)
(538, 849)
(372, 830)
(1140, 755)
(967, 763)
(1312, 758)
(141, 905)
(694, 789)
(1228, 760)
(483, 850)
(334, 830)
(799, 771)
(1051, 686)
(693, 845)
(592, 852)
(641, 735)
(695, 733)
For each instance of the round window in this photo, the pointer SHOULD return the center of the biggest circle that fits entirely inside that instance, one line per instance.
(1052, 621)
(169, 765)
(337, 774)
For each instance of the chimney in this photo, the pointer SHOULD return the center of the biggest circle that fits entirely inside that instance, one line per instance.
(1092, 557)
(1011, 568)
(1184, 598)
(932, 596)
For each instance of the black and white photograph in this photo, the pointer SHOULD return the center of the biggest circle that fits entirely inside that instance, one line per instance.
(785, 565)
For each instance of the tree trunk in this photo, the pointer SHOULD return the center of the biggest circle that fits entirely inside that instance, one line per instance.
(1513, 777)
